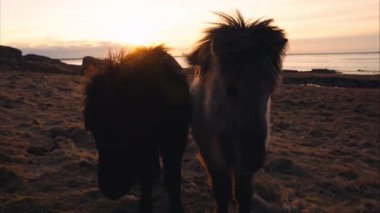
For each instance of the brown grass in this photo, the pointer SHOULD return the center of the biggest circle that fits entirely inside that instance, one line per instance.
(324, 154)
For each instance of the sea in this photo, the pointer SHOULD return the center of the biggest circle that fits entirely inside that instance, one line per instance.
(348, 63)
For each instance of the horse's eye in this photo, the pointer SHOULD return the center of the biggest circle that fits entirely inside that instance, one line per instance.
(232, 92)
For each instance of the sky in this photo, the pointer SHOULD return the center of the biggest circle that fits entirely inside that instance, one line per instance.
(72, 28)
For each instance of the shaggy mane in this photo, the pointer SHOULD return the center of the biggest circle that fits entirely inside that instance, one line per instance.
(234, 39)
(132, 73)
(139, 55)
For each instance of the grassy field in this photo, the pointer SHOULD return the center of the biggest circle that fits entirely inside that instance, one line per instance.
(324, 154)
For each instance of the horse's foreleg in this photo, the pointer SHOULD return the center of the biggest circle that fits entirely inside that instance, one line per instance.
(222, 188)
(146, 201)
(172, 177)
(243, 191)
(148, 161)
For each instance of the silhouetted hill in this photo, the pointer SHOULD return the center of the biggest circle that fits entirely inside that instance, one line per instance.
(12, 59)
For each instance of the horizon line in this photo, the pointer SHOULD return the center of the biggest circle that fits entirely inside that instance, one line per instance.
(311, 53)
(333, 53)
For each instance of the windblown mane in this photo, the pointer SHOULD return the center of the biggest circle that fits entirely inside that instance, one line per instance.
(234, 40)
(140, 56)
(143, 70)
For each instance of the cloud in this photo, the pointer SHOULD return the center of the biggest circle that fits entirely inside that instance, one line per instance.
(364, 43)
(76, 49)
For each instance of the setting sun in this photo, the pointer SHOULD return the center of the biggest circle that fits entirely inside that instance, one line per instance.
(135, 35)
(179, 25)
(132, 32)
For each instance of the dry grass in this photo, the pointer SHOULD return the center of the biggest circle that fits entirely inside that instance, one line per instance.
(325, 148)
(324, 154)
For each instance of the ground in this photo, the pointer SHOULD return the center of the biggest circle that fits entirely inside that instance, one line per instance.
(324, 154)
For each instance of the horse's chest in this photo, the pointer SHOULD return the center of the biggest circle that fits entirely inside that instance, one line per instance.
(215, 128)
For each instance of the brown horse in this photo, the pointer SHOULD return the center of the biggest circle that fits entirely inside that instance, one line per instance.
(238, 66)
(138, 107)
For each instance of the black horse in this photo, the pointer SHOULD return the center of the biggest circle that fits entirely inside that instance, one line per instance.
(136, 109)
(238, 65)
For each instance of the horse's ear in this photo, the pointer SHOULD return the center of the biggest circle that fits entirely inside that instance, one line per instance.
(267, 37)
(200, 57)
(283, 44)
(279, 45)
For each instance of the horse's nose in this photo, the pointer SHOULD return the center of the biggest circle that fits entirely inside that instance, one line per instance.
(113, 186)
(112, 193)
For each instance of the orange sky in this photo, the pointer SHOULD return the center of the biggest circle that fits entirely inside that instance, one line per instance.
(95, 25)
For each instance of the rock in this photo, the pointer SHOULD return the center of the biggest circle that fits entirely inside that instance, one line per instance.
(39, 58)
(12, 59)
(9, 57)
(80, 137)
(329, 79)
(323, 71)
(9, 52)
(92, 66)
(89, 60)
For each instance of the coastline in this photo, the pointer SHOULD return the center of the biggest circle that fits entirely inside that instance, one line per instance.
(357, 63)
(331, 79)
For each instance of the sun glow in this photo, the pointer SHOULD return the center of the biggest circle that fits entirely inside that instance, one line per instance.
(135, 37)
(135, 34)
(95, 24)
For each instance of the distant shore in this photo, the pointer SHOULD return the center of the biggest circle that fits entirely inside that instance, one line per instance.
(331, 79)
(13, 59)
(317, 78)
(358, 63)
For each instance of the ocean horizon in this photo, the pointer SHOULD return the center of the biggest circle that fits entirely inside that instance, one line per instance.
(367, 63)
